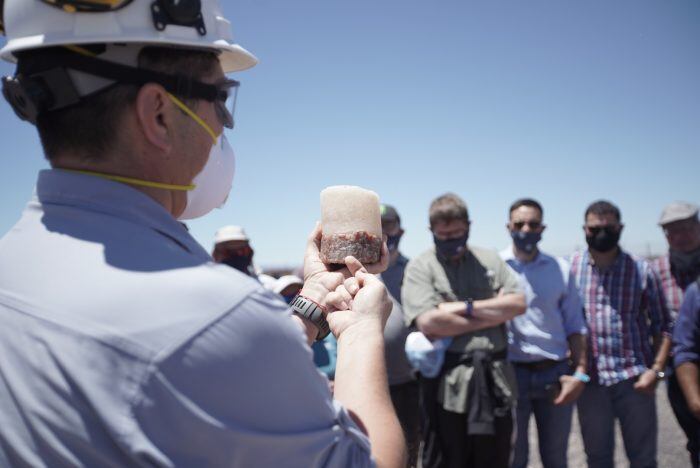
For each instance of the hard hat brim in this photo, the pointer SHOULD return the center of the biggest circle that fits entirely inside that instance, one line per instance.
(232, 57)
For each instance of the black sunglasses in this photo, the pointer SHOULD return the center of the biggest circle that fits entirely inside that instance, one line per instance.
(518, 225)
(597, 229)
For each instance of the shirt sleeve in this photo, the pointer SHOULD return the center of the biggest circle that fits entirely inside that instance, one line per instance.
(686, 333)
(507, 280)
(417, 293)
(659, 316)
(245, 392)
(570, 303)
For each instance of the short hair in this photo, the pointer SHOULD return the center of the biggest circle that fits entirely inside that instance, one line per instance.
(603, 207)
(89, 128)
(529, 202)
(446, 208)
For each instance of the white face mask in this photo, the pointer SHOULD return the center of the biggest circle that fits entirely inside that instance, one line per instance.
(213, 183)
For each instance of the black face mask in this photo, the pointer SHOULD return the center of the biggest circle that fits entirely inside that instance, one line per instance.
(604, 240)
(239, 262)
(687, 263)
(450, 248)
(526, 241)
(392, 242)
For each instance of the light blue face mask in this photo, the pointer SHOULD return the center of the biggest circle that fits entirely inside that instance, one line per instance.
(426, 356)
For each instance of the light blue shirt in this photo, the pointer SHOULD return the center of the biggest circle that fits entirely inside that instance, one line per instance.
(123, 344)
(554, 309)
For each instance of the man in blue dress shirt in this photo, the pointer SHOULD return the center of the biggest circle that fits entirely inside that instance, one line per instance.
(547, 343)
(122, 343)
(686, 358)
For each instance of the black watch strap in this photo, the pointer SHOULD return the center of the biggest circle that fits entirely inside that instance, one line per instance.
(311, 311)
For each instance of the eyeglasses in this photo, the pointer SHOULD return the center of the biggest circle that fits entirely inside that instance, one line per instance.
(518, 225)
(225, 102)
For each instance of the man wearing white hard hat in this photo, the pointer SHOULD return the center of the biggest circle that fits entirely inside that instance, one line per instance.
(124, 343)
(232, 248)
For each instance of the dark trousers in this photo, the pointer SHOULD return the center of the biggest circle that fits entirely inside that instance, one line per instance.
(405, 398)
(687, 421)
(447, 443)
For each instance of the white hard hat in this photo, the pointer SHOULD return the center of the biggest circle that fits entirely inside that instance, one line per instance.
(230, 233)
(32, 24)
(285, 281)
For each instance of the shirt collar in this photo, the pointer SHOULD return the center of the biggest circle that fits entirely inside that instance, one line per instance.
(614, 265)
(509, 255)
(93, 193)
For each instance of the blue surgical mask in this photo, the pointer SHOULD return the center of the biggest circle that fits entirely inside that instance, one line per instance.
(392, 242)
(451, 247)
(526, 241)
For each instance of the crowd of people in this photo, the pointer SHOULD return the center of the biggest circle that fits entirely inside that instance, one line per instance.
(534, 334)
(125, 343)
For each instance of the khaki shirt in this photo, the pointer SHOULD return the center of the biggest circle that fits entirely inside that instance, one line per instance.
(480, 274)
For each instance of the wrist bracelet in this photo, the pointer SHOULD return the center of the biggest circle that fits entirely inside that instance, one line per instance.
(585, 378)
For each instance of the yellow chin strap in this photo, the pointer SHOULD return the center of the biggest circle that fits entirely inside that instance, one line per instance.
(131, 181)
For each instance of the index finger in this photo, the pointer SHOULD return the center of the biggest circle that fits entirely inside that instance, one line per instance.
(354, 265)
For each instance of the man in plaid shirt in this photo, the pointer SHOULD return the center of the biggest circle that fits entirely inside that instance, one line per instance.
(677, 270)
(628, 342)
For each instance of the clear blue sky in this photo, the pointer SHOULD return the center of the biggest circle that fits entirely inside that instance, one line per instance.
(563, 101)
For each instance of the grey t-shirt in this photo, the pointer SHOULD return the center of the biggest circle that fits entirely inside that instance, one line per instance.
(397, 366)
(123, 344)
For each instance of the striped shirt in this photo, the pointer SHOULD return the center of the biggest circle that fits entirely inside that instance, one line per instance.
(624, 308)
(673, 284)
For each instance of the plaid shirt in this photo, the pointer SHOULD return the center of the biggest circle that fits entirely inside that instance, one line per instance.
(673, 284)
(624, 308)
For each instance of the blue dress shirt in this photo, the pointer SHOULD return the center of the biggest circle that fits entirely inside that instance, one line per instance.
(554, 309)
(686, 332)
(123, 344)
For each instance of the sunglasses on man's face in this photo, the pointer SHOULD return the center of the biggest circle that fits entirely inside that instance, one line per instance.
(594, 230)
(518, 225)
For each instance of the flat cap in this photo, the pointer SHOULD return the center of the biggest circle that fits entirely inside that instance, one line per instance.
(677, 211)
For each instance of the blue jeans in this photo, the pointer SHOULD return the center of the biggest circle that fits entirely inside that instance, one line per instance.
(598, 407)
(553, 422)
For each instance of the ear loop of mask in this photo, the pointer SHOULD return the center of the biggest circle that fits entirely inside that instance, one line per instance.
(194, 117)
(129, 180)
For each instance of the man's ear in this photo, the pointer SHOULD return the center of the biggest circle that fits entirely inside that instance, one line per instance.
(155, 113)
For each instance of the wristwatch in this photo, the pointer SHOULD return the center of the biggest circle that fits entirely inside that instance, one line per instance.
(313, 312)
(469, 313)
(660, 375)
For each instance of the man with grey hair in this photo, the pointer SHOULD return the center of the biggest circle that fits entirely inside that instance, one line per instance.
(677, 270)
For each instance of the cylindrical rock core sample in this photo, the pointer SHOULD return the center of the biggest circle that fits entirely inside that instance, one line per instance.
(351, 224)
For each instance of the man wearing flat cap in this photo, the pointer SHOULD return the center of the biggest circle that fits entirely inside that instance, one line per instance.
(678, 269)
